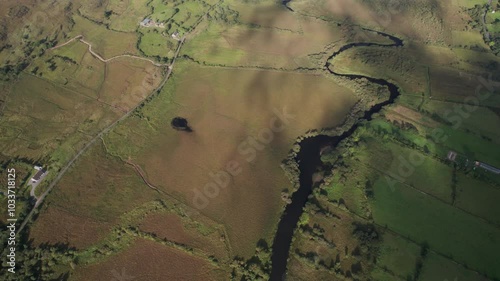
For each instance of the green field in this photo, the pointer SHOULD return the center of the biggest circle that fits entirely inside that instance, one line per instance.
(425, 219)
(398, 255)
(437, 268)
(154, 43)
(478, 198)
(236, 38)
(453, 208)
(107, 43)
(56, 106)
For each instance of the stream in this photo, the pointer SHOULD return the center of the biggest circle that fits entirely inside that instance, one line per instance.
(285, 3)
(309, 160)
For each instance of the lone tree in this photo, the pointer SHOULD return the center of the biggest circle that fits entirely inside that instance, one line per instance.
(181, 124)
(108, 14)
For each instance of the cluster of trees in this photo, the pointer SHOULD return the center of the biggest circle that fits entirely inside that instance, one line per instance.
(258, 267)
(10, 71)
(39, 263)
(366, 233)
(52, 64)
(491, 37)
(397, 135)
(31, 50)
(18, 11)
(314, 259)
(317, 233)
(224, 14)
(334, 266)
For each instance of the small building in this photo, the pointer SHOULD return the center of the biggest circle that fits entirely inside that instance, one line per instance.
(38, 168)
(459, 160)
(36, 178)
(175, 35)
(452, 155)
(146, 22)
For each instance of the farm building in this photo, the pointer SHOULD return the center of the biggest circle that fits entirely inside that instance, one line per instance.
(146, 22)
(151, 23)
(38, 175)
(175, 35)
(488, 167)
(452, 155)
(460, 160)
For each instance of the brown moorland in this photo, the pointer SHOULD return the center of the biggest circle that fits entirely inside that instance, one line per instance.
(150, 261)
(186, 231)
(224, 120)
(56, 225)
(97, 191)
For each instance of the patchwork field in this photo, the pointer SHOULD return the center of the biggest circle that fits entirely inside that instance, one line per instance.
(76, 96)
(386, 184)
(478, 198)
(427, 203)
(107, 43)
(398, 256)
(479, 122)
(125, 15)
(439, 268)
(410, 213)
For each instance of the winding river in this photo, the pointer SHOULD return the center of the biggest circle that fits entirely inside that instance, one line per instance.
(285, 3)
(309, 160)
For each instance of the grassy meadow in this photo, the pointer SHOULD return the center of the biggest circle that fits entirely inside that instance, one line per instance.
(414, 215)
(263, 35)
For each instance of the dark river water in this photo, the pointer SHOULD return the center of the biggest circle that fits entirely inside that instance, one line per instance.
(285, 3)
(309, 160)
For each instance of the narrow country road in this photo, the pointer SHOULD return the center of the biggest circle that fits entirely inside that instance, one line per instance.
(483, 19)
(96, 55)
(98, 136)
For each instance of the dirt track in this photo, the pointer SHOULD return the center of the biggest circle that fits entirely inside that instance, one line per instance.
(98, 136)
(96, 55)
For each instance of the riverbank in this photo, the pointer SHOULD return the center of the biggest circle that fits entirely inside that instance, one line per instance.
(309, 160)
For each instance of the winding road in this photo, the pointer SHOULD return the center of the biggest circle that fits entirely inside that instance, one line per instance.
(96, 55)
(103, 132)
(110, 127)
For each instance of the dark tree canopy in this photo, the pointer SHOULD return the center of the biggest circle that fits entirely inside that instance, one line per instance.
(181, 124)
